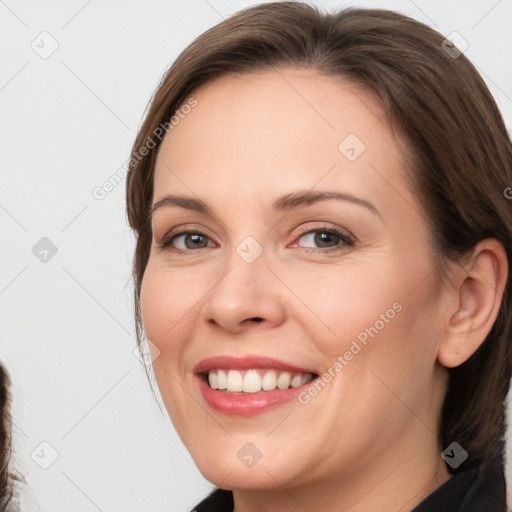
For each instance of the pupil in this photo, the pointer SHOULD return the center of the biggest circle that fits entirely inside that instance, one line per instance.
(194, 238)
(323, 238)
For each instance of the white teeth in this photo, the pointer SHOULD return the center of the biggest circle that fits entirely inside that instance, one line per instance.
(234, 381)
(269, 381)
(283, 381)
(222, 379)
(212, 379)
(254, 380)
(296, 380)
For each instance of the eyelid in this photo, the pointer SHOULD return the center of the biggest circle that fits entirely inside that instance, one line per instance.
(327, 227)
(165, 241)
(184, 228)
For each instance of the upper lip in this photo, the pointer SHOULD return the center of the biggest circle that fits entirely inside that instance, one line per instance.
(246, 363)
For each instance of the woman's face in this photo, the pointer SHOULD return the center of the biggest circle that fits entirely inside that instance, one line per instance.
(262, 292)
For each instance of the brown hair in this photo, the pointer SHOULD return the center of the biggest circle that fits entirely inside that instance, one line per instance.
(459, 152)
(5, 440)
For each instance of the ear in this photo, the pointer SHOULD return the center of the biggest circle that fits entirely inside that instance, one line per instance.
(477, 290)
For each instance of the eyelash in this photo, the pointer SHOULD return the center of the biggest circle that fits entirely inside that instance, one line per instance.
(348, 241)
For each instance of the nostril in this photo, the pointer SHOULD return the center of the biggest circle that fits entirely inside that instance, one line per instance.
(257, 319)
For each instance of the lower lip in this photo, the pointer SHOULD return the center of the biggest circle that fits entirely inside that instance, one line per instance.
(247, 404)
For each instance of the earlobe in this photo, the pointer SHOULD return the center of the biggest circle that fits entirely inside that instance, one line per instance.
(479, 291)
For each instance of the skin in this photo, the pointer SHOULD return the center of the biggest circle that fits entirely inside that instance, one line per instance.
(368, 440)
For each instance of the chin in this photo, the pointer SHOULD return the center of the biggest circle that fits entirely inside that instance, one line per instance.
(244, 478)
(232, 467)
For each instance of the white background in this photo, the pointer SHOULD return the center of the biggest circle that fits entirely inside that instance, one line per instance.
(67, 124)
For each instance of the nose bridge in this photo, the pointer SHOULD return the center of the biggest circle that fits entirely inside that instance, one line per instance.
(245, 280)
(240, 277)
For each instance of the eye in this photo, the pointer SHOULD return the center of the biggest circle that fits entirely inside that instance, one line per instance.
(324, 240)
(186, 241)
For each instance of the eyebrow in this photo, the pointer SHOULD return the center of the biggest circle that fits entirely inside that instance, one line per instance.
(287, 202)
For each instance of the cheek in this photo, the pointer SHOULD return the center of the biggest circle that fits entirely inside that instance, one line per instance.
(384, 316)
(152, 305)
(165, 302)
(166, 305)
(401, 350)
(343, 302)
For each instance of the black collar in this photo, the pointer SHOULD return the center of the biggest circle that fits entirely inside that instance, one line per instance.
(476, 490)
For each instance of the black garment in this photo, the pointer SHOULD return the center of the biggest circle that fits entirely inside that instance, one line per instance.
(476, 490)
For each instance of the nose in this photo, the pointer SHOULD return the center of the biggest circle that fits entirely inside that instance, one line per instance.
(245, 294)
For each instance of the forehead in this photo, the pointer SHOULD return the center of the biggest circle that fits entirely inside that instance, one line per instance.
(280, 129)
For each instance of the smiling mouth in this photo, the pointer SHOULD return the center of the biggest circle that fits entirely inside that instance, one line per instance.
(254, 380)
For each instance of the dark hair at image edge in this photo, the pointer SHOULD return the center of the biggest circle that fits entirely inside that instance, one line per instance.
(5, 440)
(459, 156)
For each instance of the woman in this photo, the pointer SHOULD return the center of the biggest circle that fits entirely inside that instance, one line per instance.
(322, 263)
